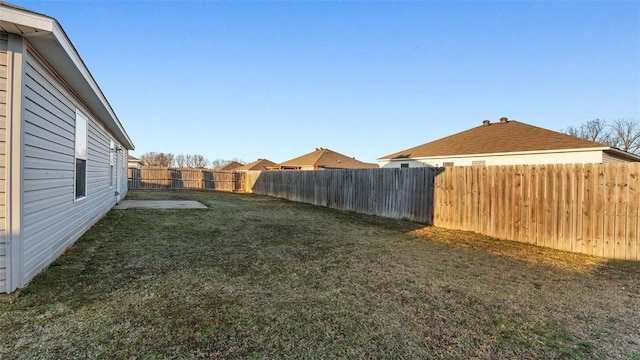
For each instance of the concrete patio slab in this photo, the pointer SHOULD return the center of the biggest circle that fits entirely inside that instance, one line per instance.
(159, 204)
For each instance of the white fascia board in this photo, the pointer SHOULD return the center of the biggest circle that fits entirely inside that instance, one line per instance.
(26, 18)
(602, 148)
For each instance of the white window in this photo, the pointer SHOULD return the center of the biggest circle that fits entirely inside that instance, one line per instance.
(478, 163)
(81, 156)
(405, 165)
(112, 158)
(447, 163)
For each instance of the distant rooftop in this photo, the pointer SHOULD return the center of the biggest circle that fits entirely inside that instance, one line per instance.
(260, 164)
(500, 137)
(230, 166)
(323, 158)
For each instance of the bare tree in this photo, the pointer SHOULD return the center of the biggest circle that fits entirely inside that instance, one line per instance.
(184, 160)
(596, 130)
(199, 161)
(180, 160)
(157, 159)
(188, 160)
(222, 162)
(218, 163)
(626, 135)
(593, 130)
(623, 134)
(573, 131)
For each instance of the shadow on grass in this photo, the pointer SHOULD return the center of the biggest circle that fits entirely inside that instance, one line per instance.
(532, 254)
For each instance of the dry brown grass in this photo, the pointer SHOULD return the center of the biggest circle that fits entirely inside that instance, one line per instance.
(511, 249)
(263, 278)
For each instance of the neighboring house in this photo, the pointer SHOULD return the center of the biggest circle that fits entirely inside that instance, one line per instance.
(63, 152)
(229, 167)
(259, 165)
(134, 162)
(507, 142)
(321, 159)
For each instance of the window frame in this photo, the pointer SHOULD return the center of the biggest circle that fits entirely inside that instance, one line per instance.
(79, 154)
(112, 161)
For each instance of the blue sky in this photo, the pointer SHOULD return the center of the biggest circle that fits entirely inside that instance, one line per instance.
(276, 80)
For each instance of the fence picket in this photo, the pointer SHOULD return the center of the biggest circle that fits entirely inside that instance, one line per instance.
(622, 203)
(598, 219)
(609, 211)
(633, 214)
(566, 210)
(577, 198)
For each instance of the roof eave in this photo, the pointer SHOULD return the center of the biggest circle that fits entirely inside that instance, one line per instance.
(624, 154)
(48, 38)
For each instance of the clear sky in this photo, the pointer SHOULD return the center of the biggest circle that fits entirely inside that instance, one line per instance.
(276, 80)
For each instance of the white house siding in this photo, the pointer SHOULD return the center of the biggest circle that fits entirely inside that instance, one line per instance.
(3, 167)
(593, 156)
(52, 220)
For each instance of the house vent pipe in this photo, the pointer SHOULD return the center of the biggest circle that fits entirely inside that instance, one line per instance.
(504, 120)
(486, 122)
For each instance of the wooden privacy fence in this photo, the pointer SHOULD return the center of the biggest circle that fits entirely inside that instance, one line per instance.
(590, 208)
(585, 208)
(395, 193)
(146, 178)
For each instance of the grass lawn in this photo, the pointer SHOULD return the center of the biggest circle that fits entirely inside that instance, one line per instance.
(257, 277)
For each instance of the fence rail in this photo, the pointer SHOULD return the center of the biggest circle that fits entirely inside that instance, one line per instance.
(146, 178)
(590, 208)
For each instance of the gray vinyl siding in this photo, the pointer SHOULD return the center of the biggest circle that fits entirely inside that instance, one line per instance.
(52, 218)
(610, 158)
(3, 159)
